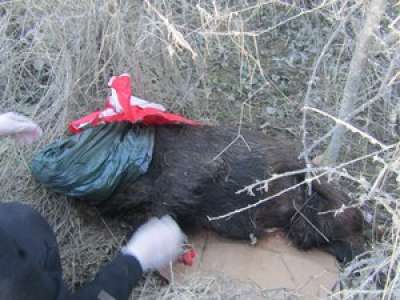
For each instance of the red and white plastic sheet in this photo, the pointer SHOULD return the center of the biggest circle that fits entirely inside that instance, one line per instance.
(122, 106)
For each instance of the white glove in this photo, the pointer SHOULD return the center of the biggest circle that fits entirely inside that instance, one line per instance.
(23, 129)
(156, 243)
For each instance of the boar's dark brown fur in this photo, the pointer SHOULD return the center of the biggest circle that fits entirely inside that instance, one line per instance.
(189, 180)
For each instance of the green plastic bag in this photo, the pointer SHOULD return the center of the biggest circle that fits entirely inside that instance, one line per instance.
(92, 164)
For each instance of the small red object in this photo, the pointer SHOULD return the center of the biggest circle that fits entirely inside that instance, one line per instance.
(188, 257)
(121, 106)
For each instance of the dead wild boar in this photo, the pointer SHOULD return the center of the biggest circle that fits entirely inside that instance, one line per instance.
(190, 180)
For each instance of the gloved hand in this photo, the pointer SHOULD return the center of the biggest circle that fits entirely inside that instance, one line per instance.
(23, 129)
(156, 243)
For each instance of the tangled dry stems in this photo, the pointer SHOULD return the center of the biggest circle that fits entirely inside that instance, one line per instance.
(244, 62)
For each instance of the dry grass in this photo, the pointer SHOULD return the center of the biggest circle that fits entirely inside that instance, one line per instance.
(257, 62)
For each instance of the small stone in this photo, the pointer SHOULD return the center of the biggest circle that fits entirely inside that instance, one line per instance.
(270, 110)
(253, 239)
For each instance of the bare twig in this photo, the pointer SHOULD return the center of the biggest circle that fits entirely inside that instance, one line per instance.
(258, 203)
(371, 139)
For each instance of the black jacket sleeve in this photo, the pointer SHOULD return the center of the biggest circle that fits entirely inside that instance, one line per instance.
(30, 265)
(114, 281)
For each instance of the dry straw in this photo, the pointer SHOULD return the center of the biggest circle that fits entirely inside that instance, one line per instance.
(247, 63)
